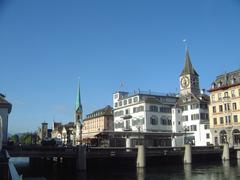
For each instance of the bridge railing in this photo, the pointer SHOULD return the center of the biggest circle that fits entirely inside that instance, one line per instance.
(12, 172)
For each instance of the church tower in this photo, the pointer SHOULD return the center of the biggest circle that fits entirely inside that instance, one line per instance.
(78, 115)
(189, 78)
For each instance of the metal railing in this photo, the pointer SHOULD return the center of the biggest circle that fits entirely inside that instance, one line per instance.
(12, 172)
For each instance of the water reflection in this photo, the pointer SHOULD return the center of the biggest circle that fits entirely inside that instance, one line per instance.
(81, 176)
(140, 173)
(226, 168)
(188, 171)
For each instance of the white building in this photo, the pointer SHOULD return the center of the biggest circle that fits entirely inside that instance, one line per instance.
(5, 109)
(143, 112)
(190, 115)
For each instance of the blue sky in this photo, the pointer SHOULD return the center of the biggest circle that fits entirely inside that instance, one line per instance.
(46, 45)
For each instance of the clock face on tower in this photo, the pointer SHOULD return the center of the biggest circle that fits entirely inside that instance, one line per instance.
(184, 82)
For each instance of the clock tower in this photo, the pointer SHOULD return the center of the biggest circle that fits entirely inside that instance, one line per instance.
(189, 78)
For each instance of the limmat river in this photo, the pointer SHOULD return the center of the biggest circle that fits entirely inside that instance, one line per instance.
(228, 170)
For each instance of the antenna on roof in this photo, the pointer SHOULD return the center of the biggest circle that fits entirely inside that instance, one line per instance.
(122, 83)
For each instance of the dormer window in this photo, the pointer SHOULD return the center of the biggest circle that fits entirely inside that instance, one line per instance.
(233, 80)
(213, 85)
(219, 83)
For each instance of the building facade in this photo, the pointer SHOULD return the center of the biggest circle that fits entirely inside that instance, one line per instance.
(143, 112)
(190, 115)
(224, 108)
(96, 122)
(63, 133)
(5, 110)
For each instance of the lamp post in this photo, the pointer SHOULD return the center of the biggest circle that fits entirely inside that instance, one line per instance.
(185, 128)
(81, 126)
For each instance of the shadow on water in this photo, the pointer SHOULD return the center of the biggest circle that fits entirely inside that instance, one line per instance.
(214, 170)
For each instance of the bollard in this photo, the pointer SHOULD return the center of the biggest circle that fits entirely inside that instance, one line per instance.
(141, 156)
(81, 163)
(225, 154)
(187, 154)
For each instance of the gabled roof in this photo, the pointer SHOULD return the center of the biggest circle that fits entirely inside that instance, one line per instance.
(4, 103)
(188, 67)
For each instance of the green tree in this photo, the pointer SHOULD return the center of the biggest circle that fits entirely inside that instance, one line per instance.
(15, 138)
(26, 138)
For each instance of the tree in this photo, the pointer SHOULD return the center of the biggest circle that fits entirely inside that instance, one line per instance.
(14, 138)
(26, 138)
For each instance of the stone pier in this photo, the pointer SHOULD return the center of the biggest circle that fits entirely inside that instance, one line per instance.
(187, 154)
(225, 154)
(141, 156)
(81, 163)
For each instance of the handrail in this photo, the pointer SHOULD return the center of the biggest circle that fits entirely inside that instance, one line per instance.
(12, 170)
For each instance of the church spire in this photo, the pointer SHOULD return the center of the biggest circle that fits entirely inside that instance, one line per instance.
(78, 105)
(188, 67)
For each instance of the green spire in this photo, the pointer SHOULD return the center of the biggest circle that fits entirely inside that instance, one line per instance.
(188, 67)
(78, 105)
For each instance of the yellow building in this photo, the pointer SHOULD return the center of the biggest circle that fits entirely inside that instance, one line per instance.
(96, 122)
(224, 109)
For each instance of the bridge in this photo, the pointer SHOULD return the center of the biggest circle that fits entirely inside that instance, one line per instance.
(83, 157)
(37, 151)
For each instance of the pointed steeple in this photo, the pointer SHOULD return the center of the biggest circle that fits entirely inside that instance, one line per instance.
(188, 67)
(78, 105)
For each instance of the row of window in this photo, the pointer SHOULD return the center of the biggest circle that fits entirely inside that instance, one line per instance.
(203, 116)
(195, 106)
(135, 122)
(220, 96)
(127, 111)
(191, 128)
(163, 120)
(225, 120)
(225, 107)
(126, 102)
(153, 108)
(154, 120)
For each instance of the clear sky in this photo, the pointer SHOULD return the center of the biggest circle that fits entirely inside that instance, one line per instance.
(45, 45)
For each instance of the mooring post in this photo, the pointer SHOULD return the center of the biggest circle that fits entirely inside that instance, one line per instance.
(187, 154)
(140, 156)
(81, 163)
(225, 154)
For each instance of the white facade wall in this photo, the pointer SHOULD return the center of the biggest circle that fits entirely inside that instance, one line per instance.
(125, 114)
(177, 126)
(200, 133)
(4, 117)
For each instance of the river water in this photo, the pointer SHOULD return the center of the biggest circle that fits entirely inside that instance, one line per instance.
(197, 171)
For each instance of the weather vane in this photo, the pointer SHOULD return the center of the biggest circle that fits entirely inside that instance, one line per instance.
(185, 43)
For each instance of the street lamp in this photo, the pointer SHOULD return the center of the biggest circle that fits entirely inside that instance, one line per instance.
(185, 128)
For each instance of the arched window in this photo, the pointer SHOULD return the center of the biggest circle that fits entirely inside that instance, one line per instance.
(236, 136)
(223, 136)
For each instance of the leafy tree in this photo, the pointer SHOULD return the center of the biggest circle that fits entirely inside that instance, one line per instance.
(26, 138)
(14, 138)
